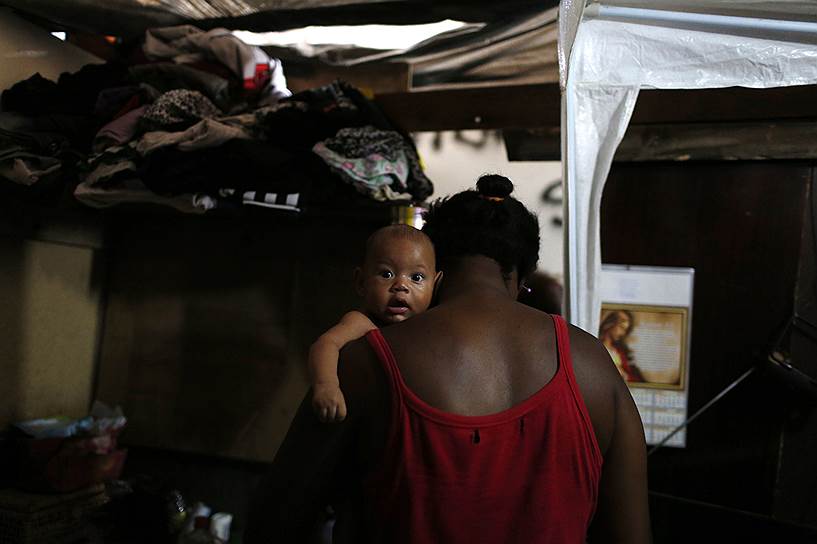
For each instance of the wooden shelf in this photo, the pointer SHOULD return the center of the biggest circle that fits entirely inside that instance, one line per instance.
(539, 105)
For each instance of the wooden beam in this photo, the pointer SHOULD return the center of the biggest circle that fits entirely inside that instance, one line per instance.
(721, 105)
(513, 106)
(721, 141)
(393, 77)
(532, 106)
(761, 140)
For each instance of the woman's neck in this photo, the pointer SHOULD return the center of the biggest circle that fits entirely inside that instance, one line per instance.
(476, 275)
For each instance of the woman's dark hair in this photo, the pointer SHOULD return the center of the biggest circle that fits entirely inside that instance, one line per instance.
(610, 321)
(486, 222)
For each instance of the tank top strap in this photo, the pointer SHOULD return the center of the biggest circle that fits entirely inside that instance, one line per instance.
(566, 364)
(389, 363)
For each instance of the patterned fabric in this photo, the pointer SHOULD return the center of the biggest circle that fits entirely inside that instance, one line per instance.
(177, 110)
(373, 175)
(264, 199)
(360, 142)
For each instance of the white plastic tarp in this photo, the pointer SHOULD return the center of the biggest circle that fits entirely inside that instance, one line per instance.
(617, 51)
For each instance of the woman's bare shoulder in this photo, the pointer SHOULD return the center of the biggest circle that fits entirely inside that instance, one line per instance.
(599, 382)
(589, 350)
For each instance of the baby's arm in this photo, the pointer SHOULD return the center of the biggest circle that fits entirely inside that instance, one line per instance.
(327, 399)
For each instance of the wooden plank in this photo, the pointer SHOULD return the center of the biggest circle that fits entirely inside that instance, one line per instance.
(683, 142)
(515, 106)
(533, 144)
(393, 77)
(725, 141)
(730, 104)
(539, 105)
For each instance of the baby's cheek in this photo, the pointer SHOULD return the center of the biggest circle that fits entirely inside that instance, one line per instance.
(424, 301)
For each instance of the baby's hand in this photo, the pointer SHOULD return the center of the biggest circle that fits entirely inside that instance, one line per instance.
(328, 402)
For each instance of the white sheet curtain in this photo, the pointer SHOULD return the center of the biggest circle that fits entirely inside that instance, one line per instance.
(618, 50)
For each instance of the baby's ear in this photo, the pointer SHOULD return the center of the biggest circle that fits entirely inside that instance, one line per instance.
(438, 279)
(358, 279)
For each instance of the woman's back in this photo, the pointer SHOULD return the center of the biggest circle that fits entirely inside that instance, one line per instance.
(476, 356)
(501, 470)
(471, 422)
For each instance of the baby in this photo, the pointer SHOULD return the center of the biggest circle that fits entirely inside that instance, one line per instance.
(397, 280)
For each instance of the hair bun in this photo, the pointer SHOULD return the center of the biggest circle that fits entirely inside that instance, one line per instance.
(494, 185)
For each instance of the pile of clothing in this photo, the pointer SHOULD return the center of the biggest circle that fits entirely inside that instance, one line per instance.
(202, 121)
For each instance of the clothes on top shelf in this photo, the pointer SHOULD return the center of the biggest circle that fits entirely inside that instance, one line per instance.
(33, 150)
(243, 165)
(199, 177)
(117, 101)
(133, 191)
(370, 158)
(341, 95)
(374, 175)
(177, 110)
(193, 135)
(259, 74)
(73, 93)
(53, 135)
(310, 116)
(166, 76)
(365, 141)
(204, 134)
(114, 163)
(119, 131)
(24, 168)
(206, 156)
(110, 178)
(110, 164)
(278, 201)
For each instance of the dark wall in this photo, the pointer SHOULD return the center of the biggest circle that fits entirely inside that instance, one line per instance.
(796, 497)
(208, 323)
(739, 225)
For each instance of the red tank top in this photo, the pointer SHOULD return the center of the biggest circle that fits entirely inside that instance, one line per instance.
(528, 474)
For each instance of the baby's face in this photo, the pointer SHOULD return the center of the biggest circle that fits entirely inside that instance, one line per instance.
(397, 279)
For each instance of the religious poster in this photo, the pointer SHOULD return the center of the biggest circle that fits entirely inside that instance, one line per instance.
(647, 343)
(645, 324)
